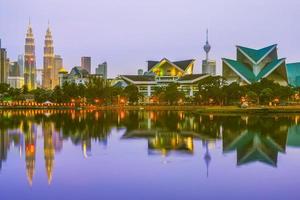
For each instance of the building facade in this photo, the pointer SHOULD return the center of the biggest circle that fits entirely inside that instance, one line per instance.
(102, 70)
(252, 65)
(161, 73)
(15, 81)
(14, 69)
(30, 60)
(4, 65)
(48, 78)
(86, 63)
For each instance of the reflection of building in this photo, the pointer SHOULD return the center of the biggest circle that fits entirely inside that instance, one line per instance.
(161, 73)
(102, 70)
(29, 60)
(253, 65)
(48, 149)
(164, 142)
(254, 146)
(30, 151)
(293, 139)
(208, 66)
(86, 63)
(4, 146)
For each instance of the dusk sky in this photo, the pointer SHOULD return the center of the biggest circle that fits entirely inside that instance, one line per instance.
(127, 33)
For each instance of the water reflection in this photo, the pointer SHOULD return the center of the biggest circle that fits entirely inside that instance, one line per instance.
(253, 138)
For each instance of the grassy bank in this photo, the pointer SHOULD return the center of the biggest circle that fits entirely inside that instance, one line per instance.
(196, 109)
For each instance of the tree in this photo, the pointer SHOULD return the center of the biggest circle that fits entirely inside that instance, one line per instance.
(132, 93)
(266, 95)
(252, 97)
(212, 88)
(172, 94)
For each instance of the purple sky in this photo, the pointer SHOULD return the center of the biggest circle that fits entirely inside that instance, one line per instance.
(126, 33)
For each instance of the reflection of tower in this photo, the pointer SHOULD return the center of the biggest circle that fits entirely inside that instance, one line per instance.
(48, 61)
(207, 157)
(29, 60)
(87, 148)
(30, 149)
(208, 66)
(4, 146)
(48, 150)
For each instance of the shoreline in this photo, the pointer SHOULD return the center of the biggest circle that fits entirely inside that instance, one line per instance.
(195, 109)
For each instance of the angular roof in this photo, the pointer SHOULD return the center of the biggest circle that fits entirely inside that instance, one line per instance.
(248, 75)
(79, 71)
(257, 54)
(139, 78)
(191, 78)
(241, 70)
(183, 64)
(269, 68)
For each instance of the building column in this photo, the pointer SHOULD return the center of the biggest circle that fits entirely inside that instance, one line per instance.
(191, 91)
(149, 90)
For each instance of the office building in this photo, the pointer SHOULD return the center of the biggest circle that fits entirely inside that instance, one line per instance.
(30, 60)
(86, 63)
(4, 65)
(102, 70)
(48, 78)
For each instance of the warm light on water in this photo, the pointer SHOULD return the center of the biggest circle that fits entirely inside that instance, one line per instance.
(148, 155)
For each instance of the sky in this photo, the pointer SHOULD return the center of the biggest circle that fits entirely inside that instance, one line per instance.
(127, 33)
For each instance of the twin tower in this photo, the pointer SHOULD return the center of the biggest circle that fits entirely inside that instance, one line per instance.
(51, 65)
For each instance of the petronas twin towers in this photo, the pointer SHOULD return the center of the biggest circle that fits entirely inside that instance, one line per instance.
(50, 67)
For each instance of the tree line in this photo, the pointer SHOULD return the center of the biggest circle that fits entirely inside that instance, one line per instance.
(212, 90)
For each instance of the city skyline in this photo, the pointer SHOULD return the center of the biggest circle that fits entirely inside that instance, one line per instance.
(127, 42)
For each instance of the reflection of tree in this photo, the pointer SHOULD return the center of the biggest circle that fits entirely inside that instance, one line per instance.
(256, 138)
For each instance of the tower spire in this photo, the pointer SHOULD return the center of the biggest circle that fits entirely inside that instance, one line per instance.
(207, 46)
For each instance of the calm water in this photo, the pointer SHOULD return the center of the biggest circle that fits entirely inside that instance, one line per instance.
(148, 155)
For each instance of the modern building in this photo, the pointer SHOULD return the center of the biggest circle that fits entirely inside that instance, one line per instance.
(39, 78)
(161, 73)
(86, 63)
(4, 65)
(29, 60)
(15, 81)
(102, 70)
(21, 64)
(293, 74)
(58, 64)
(48, 78)
(252, 65)
(140, 72)
(14, 69)
(208, 66)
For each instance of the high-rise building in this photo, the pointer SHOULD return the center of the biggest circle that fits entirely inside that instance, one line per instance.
(39, 77)
(102, 70)
(21, 64)
(4, 65)
(48, 78)
(14, 69)
(208, 66)
(58, 64)
(86, 63)
(29, 60)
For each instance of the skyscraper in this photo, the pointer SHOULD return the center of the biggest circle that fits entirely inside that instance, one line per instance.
(48, 78)
(29, 60)
(4, 65)
(208, 66)
(102, 70)
(14, 69)
(58, 64)
(21, 64)
(86, 63)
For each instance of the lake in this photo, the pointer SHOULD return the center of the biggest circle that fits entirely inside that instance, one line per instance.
(49, 154)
